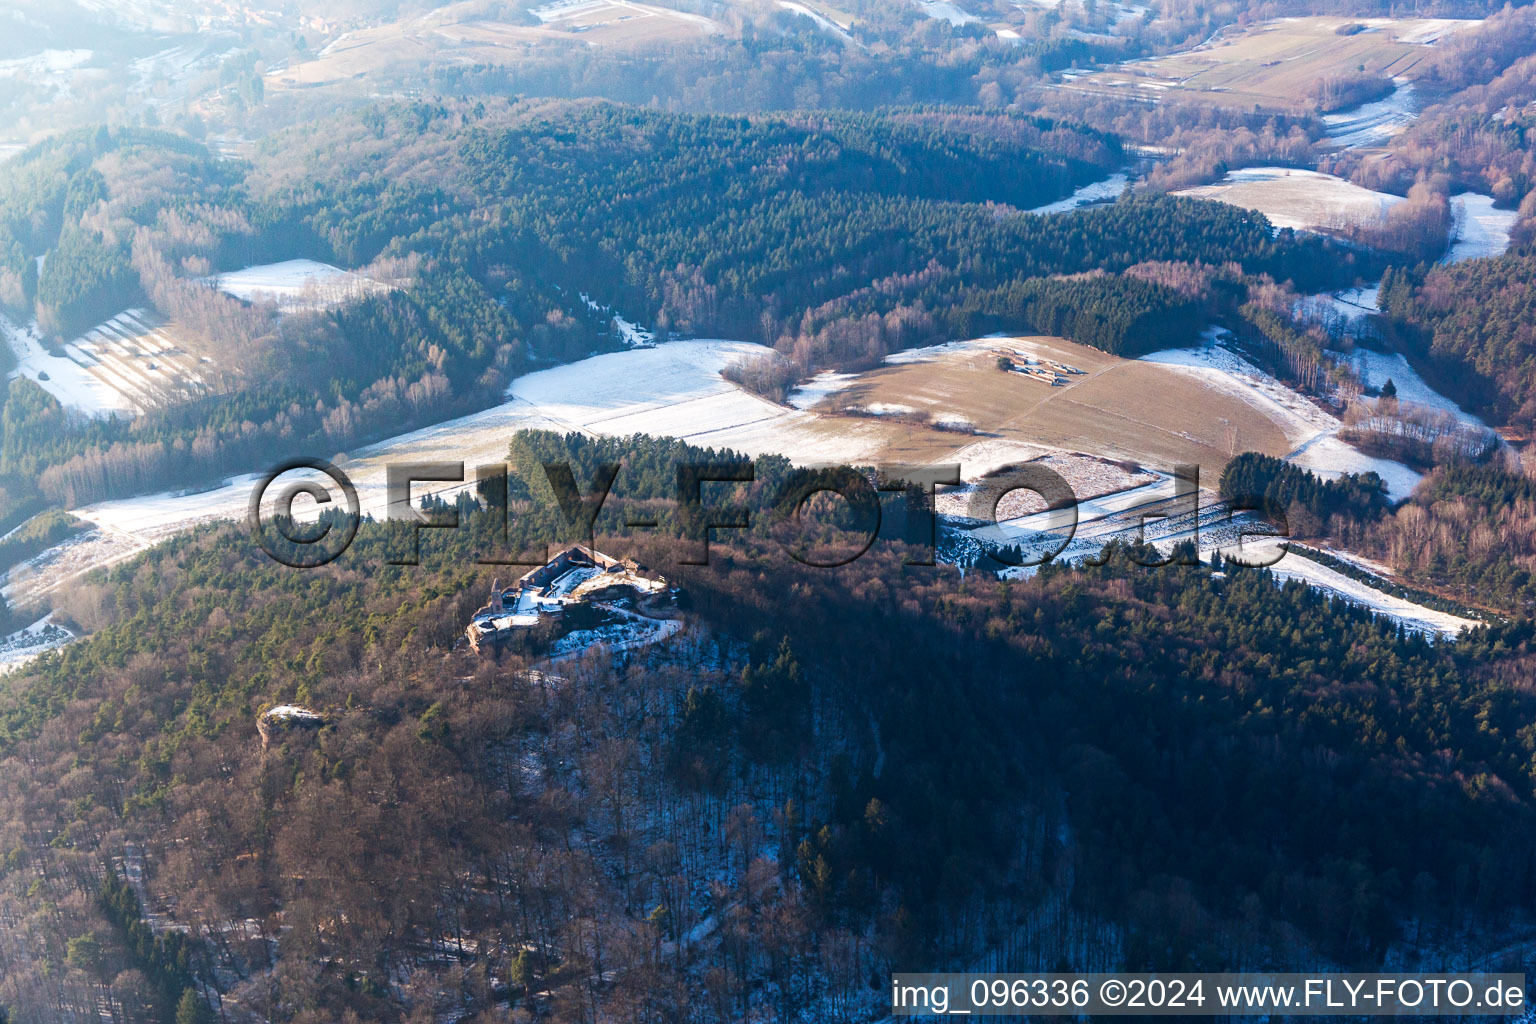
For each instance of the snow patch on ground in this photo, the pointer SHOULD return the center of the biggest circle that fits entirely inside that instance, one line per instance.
(886, 409)
(1376, 368)
(632, 631)
(979, 458)
(824, 384)
(631, 334)
(1105, 190)
(1330, 458)
(945, 11)
(46, 62)
(1058, 522)
(292, 713)
(566, 9)
(1374, 123)
(1299, 418)
(1346, 309)
(982, 495)
(1415, 616)
(1428, 31)
(77, 555)
(928, 353)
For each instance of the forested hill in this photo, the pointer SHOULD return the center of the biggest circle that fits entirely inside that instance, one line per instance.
(760, 227)
(1474, 323)
(1112, 767)
(509, 232)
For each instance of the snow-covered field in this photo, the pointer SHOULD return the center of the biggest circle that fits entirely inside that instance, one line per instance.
(566, 9)
(1373, 124)
(1293, 198)
(1024, 350)
(1329, 457)
(141, 360)
(63, 378)
(1376, 368)
(1102, 191)
(1481, 230)
(1312, 430)
(1144, 513)
(34, 579)
(1087, 476)
(1424, 31)
(1080, 519)
(927, 352)
(673, 390)
(294, 284)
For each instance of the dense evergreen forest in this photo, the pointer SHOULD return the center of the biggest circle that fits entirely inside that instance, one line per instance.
(1096, 766)
(757, 228)
(1471, 324)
